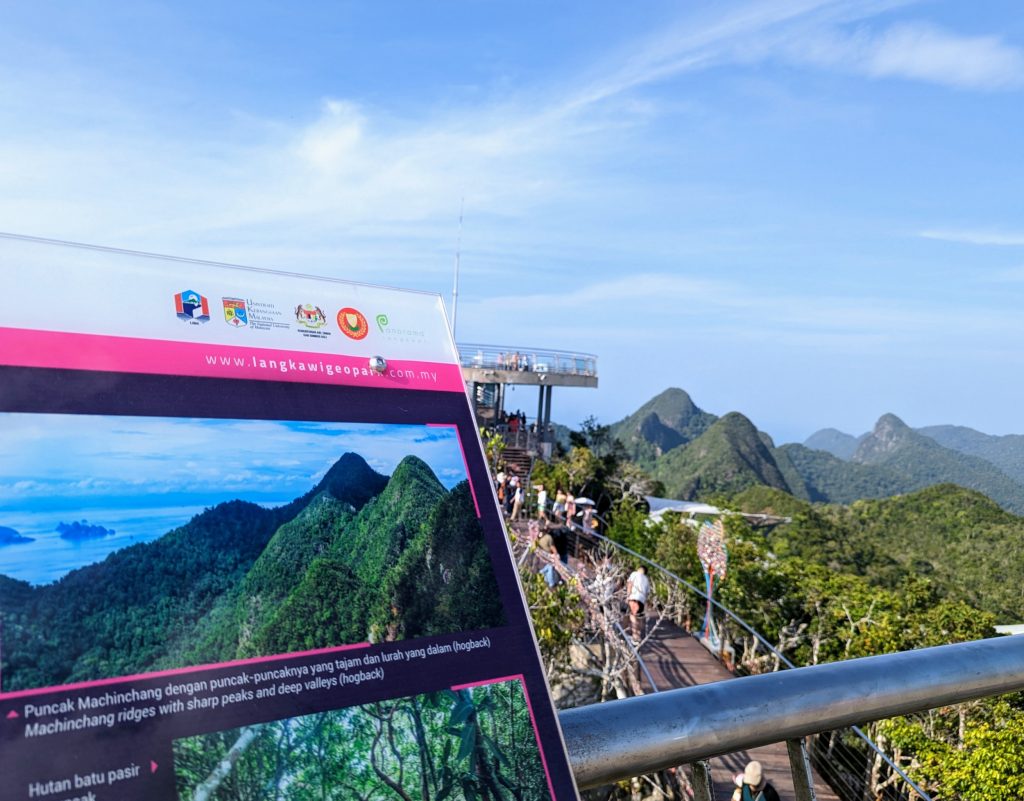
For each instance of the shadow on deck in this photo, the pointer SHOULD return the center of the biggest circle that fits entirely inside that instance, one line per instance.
(676, 659)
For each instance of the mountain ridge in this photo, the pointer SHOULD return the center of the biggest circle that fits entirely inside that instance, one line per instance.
(891, 459)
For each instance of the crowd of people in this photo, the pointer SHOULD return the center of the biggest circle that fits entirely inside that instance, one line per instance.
(560, 508)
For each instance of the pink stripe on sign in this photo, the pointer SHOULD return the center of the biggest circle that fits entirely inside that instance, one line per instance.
(485, 682)
(83, 685)
(465, 462)
(56, 349)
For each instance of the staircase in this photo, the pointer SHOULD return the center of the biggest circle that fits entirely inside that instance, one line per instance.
(518, 461)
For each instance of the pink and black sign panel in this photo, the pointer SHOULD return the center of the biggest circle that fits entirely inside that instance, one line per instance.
(224, 575)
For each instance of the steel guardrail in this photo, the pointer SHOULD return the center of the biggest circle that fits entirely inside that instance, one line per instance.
(783, 659)
(616, 740)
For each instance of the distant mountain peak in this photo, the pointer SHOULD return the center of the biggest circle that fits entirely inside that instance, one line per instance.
(665, 422)
(834, 441)
(352, 480)
(888, 436)
(730, 456)
(889, 421)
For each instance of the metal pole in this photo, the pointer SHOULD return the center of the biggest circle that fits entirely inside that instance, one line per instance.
(800, 767)
(703, 789)
(619, 739)
(458, 256)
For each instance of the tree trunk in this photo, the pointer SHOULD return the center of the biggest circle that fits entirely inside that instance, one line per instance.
(205, 791)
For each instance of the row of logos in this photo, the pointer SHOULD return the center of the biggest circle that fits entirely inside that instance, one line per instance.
(310, 320)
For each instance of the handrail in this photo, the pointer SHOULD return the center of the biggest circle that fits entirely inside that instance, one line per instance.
(636, 655)
(783, 659)
(561, 566)
(616, 740)
(518, 358)
(723, 609)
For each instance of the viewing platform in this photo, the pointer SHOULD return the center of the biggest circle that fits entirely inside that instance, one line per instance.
(489, 369)
(501, 364)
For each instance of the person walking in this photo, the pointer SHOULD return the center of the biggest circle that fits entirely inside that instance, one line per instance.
(517, 502)
(751, 785)
(542, 503)
(638, 587)
(559, 508)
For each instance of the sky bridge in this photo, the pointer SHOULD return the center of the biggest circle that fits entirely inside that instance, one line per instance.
(714, 703)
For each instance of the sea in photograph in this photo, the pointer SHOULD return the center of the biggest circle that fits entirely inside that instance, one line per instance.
(49, 556)
(141, 477)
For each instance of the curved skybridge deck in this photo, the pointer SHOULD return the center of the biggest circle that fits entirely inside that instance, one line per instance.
(506, 364)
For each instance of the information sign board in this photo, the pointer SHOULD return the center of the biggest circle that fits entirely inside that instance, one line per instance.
(249, 548)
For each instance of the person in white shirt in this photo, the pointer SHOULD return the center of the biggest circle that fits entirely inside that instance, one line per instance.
(638, 586)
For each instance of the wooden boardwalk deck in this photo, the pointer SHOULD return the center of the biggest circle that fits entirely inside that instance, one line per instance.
(676, 659)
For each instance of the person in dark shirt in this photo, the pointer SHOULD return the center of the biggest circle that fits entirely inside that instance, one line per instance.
(751, 785)
(561, 537)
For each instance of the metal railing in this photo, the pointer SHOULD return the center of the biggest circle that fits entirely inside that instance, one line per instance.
(619, 739)
(842, 766)
(508, 357)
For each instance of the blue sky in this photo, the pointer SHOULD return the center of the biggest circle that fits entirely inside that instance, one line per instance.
(70, 464)
(808, 211)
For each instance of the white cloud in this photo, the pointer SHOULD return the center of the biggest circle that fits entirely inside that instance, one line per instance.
(976, 236)
(354, 190)
(914, 51)
(661, 308)
(926, 53)
(141, 457)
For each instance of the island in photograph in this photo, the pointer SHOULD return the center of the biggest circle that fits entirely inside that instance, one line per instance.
(363, 553)
(472, 743)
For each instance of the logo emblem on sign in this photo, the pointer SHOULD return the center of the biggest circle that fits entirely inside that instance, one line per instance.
(382, 322)
(235, 312)
(192, 307)
(353, 324)
(310, 316)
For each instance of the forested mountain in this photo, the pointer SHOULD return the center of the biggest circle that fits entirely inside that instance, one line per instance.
(893, 444)
(825, 477)
(665, 422)
(694, 454)
(963, 542)
(361, 556)
(833, 441)
(1005, 452)
(730, 456)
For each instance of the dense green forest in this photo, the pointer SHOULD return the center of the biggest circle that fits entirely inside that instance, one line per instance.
(467, 745)
(359, 557)
(924, 568)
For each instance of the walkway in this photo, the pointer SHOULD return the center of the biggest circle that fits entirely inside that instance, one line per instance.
(676, 659)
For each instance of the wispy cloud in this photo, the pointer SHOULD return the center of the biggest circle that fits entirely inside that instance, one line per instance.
(914, 51)
(144, 458)
(651, 307)
(979, 236)
(354, 182)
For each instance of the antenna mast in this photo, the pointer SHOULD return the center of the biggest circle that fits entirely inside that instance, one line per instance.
(458, 254)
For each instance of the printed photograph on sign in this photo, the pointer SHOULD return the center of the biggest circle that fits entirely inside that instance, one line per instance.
(470, 743)
(135, 544)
